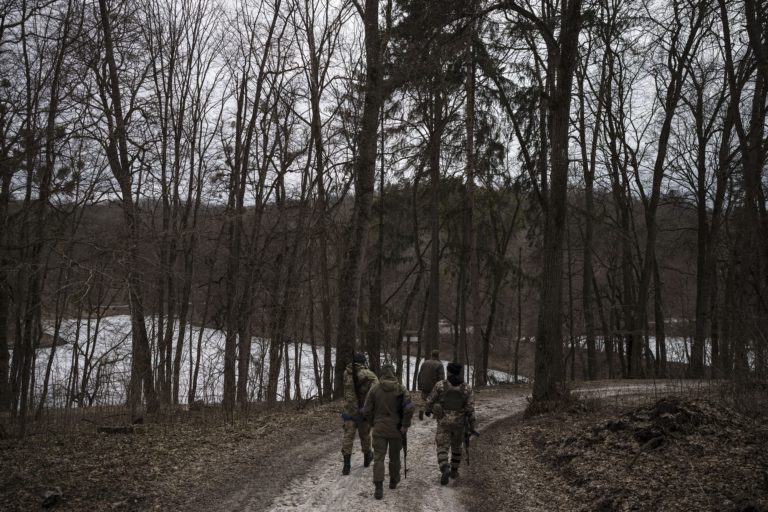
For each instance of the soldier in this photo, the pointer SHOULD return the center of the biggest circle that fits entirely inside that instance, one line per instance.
(389, 409)
(431, 373)
(358, 380)
(451, 401)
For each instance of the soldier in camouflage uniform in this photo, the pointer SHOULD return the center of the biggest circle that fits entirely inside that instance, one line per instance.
(430, 373)
(451, 401)
(356, 386)
(389, 409)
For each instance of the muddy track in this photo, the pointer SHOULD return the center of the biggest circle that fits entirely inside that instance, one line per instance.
(324, 488)
(306, 476)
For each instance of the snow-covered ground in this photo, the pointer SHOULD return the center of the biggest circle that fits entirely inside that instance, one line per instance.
(678, 348)
(101, 354)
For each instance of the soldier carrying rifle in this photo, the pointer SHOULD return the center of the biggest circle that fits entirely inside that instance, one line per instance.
(452, 402)
(358, 379)
(389, 410)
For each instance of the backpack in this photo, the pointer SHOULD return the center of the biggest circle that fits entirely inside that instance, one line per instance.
(362, 383)
(453, 398)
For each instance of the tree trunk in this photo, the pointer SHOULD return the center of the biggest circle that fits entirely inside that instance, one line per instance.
(607, 333)
(432, 331)
(315, 92)
(571, 336)
(481, 372)
(588, 165)
(5, 383)
(61, 305)
(5, 386)
(548, 366)
(120, 164)
(194, 366)
(519, 309)
(312, 339)
(184, 319)
(375, 324)
(658, 314)
(364, 169)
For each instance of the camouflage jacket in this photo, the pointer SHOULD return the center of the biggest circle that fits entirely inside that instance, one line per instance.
(450, 404)
(388, 406)
(354, 398)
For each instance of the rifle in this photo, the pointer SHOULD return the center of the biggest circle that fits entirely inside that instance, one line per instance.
(404, 437)
(468, 433)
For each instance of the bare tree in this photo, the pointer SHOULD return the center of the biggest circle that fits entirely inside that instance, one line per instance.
(321, 47)
(248, 64)
(750, 252)
(561, 59)
(706, 100)
(687, 19)
(364, 173)
(116, 145)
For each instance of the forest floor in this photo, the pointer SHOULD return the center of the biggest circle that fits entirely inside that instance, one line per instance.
(691, 449)
(621, 445)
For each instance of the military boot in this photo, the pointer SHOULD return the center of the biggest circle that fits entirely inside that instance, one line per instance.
(455, 473)
(393, 482)
(347, 465)
(367, 458)
(445, 475)
(379, 492)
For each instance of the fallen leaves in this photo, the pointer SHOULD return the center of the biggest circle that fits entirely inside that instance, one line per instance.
(671, 454)
(168, 466)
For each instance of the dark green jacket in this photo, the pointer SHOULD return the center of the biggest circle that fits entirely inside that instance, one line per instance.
(431, 373)
(388, 406)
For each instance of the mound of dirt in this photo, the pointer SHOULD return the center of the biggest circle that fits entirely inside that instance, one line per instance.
(650, 426)
(671, 454)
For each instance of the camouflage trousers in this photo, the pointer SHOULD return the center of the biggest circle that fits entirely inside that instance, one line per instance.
(420, 403)
(380, 445)
(448, 439)
(348, 438)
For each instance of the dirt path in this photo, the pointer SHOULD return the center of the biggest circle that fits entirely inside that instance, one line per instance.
(307, 476)
(324, 488)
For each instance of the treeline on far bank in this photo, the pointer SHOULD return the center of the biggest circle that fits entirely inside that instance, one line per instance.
(87, 253)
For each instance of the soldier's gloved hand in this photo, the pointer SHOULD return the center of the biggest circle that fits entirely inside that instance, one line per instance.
(403, 430)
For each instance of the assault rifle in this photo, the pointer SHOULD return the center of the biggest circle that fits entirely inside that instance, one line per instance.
(404, 437)
(468, 433)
